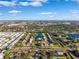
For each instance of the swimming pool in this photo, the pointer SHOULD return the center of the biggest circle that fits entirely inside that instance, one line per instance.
(74, 36)
(39, 36)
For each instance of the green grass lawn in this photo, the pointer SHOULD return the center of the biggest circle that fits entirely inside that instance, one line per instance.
(7, 54)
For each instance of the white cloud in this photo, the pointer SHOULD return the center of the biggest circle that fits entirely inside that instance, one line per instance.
(14, 11)
(51, 16)
(24, 3)
(33, 3)
(75, 1)
(36, 4)
(7, 3)
(74, 11)
(74, 14)
(48, 13)
(38, 0)
(30, 3)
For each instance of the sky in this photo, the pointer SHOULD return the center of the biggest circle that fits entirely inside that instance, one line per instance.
(39, 9)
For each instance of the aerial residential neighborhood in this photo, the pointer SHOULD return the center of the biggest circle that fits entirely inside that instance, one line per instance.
(39, 29)
(20, 42)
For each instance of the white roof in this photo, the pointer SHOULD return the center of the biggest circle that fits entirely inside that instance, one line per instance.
(60, 53)
(1, 55)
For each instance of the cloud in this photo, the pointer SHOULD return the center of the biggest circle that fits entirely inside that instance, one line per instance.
(33, 3)
(74, 14)
(74, 11)
(26, 3)
(7, 3)
(30, 4)
(75, 1)
(38, 0)
(36, 4)
(14, 11)
(51, 16)
(48, 13)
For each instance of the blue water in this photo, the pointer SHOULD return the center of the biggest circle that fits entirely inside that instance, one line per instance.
(55, 58)
(74, 36)
(39, 35)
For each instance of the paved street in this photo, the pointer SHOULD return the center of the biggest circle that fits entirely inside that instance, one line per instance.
(46, 44)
